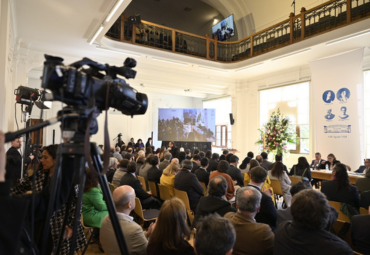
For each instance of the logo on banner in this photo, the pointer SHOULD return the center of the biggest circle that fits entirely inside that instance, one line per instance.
(329, 115)
(343, 95)
(328, 96)
(337, 129)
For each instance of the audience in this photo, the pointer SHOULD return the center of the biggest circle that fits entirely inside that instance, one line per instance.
(148, 151)
(112, 167)
(222, 168)
(148, 143)
(208, 155)
(166, 161)
(302, 169)
(154, 174)
(173, 150)
(201, 173)
(122, 169)
(181, 157)
(235, 172)
(250, 154)
(168, 176)
(260, 161)
(188, 154)
(339, 189)
(360, 232)
(306, 234)
(188, 182)
(202, 154)
(117, 154)
(135, 238)
(139, 144)
(196, 163)
(213, 162)
(214, 202)
(277, 173)
(260, 237)
(215, 236)
(244, 164)
(171, 231)
(279, 158)
(229, 156)
(267, 164)
(139, 163)
(143, 172)
(224, 154)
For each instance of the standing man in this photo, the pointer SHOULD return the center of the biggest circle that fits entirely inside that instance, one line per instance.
(173, 149)
(14, 162)
(316, 163)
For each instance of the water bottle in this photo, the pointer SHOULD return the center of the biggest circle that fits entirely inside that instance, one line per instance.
(327, 167)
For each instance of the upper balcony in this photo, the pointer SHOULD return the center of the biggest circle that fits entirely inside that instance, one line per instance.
(324, 18)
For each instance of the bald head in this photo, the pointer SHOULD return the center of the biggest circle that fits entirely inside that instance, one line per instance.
(175, 160)
(122, 196)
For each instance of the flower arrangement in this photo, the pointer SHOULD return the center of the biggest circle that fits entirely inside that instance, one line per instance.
(276, 134)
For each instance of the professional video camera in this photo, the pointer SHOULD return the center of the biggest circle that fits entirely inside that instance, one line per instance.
(76, 85)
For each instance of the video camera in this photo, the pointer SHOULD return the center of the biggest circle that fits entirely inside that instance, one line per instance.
(75, 85)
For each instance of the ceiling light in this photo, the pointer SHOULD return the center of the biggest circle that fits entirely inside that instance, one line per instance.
(211, 69)
(171, 62)
(117, 51)
(96, 35)
(248, 67)
(347, 38)
(293, 54)
(115, 8)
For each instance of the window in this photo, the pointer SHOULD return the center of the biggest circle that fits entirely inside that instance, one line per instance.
(367, 112)
(293, 102)
(221, 136)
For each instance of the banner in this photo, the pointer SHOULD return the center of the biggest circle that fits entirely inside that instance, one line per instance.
(338, 106)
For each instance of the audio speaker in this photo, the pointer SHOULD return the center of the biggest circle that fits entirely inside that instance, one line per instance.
(231, 119)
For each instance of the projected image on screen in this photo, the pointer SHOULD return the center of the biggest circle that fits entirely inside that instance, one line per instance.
(224, 29)
(197, 125)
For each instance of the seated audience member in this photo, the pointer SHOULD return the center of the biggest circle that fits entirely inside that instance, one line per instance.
(140, 153)
(148, 143)
(143, 172)
(201, 173)
(252, 163)
(139, 144)
(112, 168)
(117, 153)
(166, 161)
(187, 154)
(267, 164)
(135, 237)
(202, 154)
(250, 154)
(122, 169)
(331, 162)
(168, 176)
(94, 208)
(129, 157)
(171, 231)
(215, 236)
(188, 182)
(260, 237)
(162, 152)
(302, 169)
(157, 152)
(360, 232)
(123, 150)
(365, 168)
(208, 155)
(316, 163)
(196, 163)
(214, 202)
(131, 143)
(285, 214)
(306, 234)
(267, 212)
(213, 162)
(224, 154)
(279, 158)
(235, 172)
(154, 174)
(181, 157)
(148, 151)
(339, 189)
(196, 152)
(243, 166)
(228, 157)
(260, 161)
(146, 199)
(182, 149)
(365, 199)
(222, 168)
(173, 149)
(139, 163)
(277, 173)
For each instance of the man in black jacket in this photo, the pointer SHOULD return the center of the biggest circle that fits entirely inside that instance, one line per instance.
(235, 172)
(213, 162)
(224, 154)
(174, 150)
(154, 174)
(196, 163)
(188, 182)
(267, 213)
(14, 162)
(201, 172)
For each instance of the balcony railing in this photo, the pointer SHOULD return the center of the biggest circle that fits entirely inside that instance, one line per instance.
(320, 19)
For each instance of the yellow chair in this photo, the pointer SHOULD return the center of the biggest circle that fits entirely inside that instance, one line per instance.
(341, 217)
(363, 211)
(111, 186)
(147, 215)
(164, 192)
(295, 179)
(247, 179)
(204, 188)
(153, 188)
(143, 184)
(91, 231)
(276, 187)
(183, 196)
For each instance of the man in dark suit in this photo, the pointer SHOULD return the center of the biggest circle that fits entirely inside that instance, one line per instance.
(360, 232)
(173, 150)
(365, 168)
(260, 161)
(316, 163)
(224, 154)
(188, 182)
(154, 173)
(167, 160)
(146, 199)
(267, 164)
(267, 213)
(214, 202)
(14, 162)
(201, 173)
(235, 172)
(196, 163)
(213, 162)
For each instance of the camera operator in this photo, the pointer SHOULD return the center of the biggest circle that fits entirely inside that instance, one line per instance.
(120, 142)
(15, 220)
(14, 162)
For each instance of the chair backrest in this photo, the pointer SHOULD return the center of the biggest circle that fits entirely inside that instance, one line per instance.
(184, 198)
(247, 179)
(294, 179)
(142, 180)
(138, 209)
(111, 186)
(82, 223)
(164, 192)
(363, 211)
(204, 188)
(363, 184)
(341, 217)
(153, 188)
(276, 186)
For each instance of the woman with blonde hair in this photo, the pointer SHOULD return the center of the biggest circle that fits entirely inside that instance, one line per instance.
(171, 230)
(168, 177)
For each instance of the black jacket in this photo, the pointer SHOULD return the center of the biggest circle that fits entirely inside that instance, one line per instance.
(212, 165)
(14, 165)
(211, 204)
(349, 196)
(189, 183)
(267, 213)
(236, 175)
(195, 167)
(202, 175)
(175, 152)
(129, 179)
(154, 175)
(360, 232)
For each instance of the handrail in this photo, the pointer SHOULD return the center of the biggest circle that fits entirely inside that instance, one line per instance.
(315, 21)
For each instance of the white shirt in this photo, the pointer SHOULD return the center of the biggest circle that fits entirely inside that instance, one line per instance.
(127, 216)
